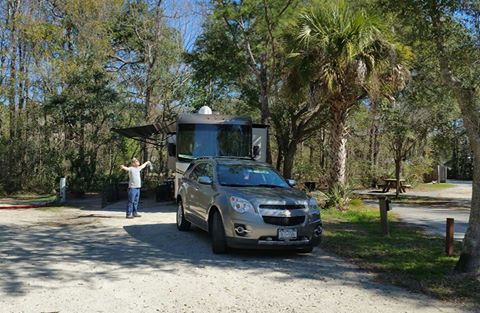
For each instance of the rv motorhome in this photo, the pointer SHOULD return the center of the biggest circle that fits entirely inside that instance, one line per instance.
(204, 134)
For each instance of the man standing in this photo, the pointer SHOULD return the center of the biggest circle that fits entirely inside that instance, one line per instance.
(134, 185)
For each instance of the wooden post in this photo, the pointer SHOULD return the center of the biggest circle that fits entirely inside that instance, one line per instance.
(384, 215)
(62, 196)
(449, 239)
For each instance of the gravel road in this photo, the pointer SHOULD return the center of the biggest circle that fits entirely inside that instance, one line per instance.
(77, 260)
(461, 190)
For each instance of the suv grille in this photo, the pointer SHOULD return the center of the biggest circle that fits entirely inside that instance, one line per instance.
(282, 206)
(284, 221)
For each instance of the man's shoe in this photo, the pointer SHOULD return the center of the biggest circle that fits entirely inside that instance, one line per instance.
(136, 215)
(130, 216)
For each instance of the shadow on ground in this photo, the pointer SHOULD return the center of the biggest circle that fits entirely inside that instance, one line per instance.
(61, 253)
(418, 200)
(147, 204)
(52, 254)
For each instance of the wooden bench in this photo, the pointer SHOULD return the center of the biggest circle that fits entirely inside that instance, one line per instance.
(405, 187)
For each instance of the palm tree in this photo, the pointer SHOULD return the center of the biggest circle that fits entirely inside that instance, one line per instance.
(343, 55)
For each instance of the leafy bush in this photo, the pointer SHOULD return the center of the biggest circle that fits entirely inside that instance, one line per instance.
(304, 170)
(414, 170)
(339, 197)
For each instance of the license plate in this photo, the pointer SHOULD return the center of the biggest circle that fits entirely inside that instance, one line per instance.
(287, 233)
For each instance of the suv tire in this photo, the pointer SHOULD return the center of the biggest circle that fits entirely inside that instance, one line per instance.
(182, 223)
(219, 242)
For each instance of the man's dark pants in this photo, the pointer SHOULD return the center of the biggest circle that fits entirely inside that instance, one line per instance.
(133, 199)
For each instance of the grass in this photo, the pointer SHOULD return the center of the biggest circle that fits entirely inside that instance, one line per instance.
(408, 257)
(32, 197)
(433, 187)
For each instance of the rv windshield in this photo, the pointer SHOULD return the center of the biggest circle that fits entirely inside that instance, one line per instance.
(197, 140)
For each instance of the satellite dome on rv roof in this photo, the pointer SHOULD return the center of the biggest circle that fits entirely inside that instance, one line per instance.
(205, 110)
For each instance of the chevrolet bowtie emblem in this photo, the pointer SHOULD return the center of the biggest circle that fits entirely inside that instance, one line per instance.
(288, 214)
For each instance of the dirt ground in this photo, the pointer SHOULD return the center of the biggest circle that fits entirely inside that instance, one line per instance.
(94, 260)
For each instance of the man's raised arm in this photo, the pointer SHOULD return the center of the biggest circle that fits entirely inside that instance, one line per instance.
(144, 164)
(123, 167)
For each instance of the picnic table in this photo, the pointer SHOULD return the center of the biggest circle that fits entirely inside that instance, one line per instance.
(392, 183)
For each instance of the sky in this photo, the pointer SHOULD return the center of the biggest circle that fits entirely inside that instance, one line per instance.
(187, 17)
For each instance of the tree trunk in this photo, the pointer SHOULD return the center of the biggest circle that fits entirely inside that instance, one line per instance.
(289, 160)
(148, 99)
(13, 7)
(264, 105)
(264, 110)
(398, 170)
(322, 158)
(373, 149)
(338, 143)
(280, 147)
(455, 167)
(310, 154)
(469, 261)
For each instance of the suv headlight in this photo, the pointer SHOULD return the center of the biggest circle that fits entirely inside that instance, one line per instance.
(313, 209)
(241, 205)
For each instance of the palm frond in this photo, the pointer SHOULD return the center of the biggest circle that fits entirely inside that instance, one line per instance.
(346, 46)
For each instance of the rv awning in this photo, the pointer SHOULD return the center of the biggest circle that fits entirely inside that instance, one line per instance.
(145, 133)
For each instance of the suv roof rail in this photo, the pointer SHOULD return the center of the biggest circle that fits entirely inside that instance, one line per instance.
(203, 158)
(234, 157)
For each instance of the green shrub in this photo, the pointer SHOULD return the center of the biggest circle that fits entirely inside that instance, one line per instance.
(339, 197)
(414, 170)
(356, 202)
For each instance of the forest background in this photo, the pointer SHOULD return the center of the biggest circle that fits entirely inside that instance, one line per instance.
(72, 70)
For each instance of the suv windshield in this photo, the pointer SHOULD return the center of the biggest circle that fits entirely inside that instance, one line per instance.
(251, 175)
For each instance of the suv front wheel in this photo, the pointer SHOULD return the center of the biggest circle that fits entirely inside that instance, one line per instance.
(182, 223)
(219, 242)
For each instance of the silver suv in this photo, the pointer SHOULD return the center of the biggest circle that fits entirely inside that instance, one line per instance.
(246, 204)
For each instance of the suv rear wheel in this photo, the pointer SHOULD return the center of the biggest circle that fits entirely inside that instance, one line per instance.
(182, 223)
(219, 242)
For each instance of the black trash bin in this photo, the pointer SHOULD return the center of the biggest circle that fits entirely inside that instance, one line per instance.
(165, 191)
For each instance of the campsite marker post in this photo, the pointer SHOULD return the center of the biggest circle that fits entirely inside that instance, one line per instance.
(384, 208)
(450, 231)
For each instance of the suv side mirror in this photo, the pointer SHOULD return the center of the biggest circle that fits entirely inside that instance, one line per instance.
(205, 180)
(172, 149)
(256, 151)
(291, 182)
